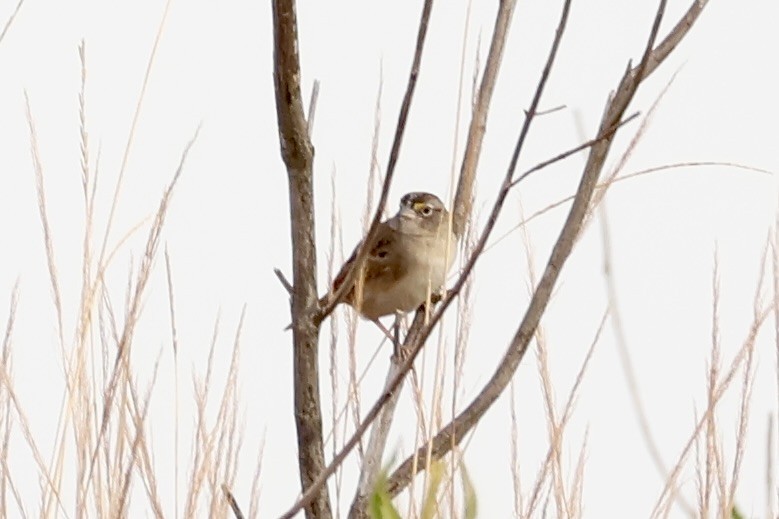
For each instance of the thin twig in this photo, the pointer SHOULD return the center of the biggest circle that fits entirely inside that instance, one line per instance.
(175, 345)
(757, 323)
(551, 110)
(446, 439)
(232, 502)
(283, 280)
(133, 127)
(567, 412)
(769, 468)
(312, 107)
(564, 155)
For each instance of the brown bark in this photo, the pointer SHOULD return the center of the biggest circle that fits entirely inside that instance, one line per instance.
(298, 155)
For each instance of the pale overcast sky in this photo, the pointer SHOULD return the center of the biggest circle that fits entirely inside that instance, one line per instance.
(228, 223)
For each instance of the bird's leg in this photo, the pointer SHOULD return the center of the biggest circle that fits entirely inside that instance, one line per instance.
(384, 330)
(396, 329)
(400, 353)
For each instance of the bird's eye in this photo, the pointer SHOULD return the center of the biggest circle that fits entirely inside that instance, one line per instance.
(427, 210)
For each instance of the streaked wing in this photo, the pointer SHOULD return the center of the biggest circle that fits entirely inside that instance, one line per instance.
(382, 263)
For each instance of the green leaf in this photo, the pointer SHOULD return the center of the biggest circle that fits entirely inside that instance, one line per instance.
(430, 503)
(735, 514)
(469, 495)
(381, 506)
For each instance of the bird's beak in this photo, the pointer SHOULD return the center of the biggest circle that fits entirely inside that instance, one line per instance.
(407, 213)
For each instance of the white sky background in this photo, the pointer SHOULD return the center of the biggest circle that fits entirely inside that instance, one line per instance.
(228, 224)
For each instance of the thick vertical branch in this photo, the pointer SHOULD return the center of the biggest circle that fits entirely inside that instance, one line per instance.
(298, 155)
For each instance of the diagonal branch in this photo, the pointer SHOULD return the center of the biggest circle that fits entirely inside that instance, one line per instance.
(298, 155)
(453, 433)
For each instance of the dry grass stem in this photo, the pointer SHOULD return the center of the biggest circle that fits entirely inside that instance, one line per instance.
(131, 134)
(515, 461)
(770, 484)
(121, 366)
(562, 423)
(713, 456)
(10, 20)
(611, 287)
(47, 237)
(176, 399)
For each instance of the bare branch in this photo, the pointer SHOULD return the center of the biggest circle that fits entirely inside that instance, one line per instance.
(232, 502)
(564, 155)
(283, 280)
(417, 336)
(453, 433)
(298, 155)
(312, 107)
(550, 111)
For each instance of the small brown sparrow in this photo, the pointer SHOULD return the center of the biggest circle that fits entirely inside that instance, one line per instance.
(408, 261)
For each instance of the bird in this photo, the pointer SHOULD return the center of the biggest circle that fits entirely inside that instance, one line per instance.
(407, 262)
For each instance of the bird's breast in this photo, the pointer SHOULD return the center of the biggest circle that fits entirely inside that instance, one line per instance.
(426, 264)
